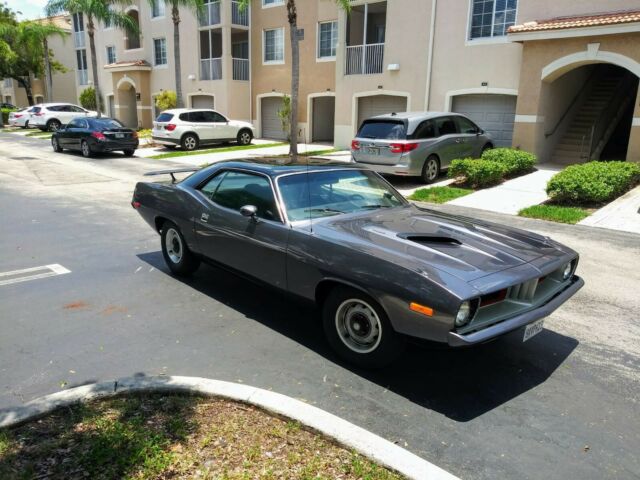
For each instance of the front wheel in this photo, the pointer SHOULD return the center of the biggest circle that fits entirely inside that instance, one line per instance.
(358, 329)
(189, 142)
(56, 145)
(488, 146)
(244, 137)
(180, 260)
(431, 169)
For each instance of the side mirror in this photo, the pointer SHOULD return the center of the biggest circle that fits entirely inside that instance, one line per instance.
(480, 131)
(249, 211)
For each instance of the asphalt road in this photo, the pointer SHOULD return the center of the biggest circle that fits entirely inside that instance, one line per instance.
(562, 405)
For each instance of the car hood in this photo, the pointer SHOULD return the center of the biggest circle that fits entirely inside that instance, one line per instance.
(239, 124)
(423, 239)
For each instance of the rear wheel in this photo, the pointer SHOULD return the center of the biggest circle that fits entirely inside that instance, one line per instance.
(431, 169)
(53, 125)
(26, 124)
(180, 260)
(56, 145)
(244, 137)
(189, 142)
(128, 153)
(85, 149)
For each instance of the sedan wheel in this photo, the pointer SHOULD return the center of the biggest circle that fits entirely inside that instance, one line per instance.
(176, 254)
(56, 146)
(85, 149)
(431, 170)
(358, 325)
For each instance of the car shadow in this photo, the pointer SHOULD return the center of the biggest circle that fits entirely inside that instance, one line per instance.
(461, 384)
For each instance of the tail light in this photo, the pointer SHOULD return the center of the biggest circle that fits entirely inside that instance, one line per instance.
(135, 204)
(17, 115)
(98, 135)
(402, 147)
(355, 145)
(171, 127)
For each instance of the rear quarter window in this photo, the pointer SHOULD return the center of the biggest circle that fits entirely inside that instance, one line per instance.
(383, 130)
(164, 117)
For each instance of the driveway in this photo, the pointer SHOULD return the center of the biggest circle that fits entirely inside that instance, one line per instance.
(563, 404)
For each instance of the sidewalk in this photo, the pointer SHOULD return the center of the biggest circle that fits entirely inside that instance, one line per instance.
(621, 214)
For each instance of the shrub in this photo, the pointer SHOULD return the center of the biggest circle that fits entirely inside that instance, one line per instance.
(515, 161)
(477, 173)
(88, 99)
(166, 100)
(5, 115)
(593, 182)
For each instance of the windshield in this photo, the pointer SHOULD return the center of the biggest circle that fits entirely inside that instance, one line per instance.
(106, 123)
(322, 194)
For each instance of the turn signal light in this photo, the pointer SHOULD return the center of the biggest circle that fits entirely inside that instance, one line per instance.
(98, 135)
(355, 145)
(416, 307)
(402, 147)
(171, 127)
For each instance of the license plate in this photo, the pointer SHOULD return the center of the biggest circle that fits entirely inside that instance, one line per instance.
(533, 329)
(373, 151)
(119, 135)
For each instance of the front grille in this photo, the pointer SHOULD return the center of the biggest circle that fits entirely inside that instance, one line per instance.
(524, 292)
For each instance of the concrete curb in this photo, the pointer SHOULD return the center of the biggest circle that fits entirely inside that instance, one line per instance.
(368, 444)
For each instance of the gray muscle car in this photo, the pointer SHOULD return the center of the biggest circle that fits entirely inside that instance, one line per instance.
(380, 268)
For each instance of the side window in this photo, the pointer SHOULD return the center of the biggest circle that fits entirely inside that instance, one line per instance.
(73, 124)
(185, 117)
(238, 189)
(77, 109)
(446, 126)
(426, 129)
(82, 124)
(208, 117)
(212, 185)
(218, 118)
(198, 117)
(466, 125)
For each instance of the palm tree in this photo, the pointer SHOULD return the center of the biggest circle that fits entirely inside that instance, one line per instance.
(95, 10)
(40, 32)
(196, 6)
(292, 18)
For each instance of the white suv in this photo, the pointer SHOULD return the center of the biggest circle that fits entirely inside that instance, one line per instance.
(51, 116)
(191, 127)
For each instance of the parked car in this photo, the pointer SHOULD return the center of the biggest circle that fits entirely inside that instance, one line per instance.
(95, 135)
(52, 116)
(20, 118)
(417, 144)
(190, 128)
(380, 268)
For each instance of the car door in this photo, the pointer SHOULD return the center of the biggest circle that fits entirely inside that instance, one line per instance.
(448, 146)
(469, 136)
(223, 130)
(200, 125)
(253, 246)
(65, 134)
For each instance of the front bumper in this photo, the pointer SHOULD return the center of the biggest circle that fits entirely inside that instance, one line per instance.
(456, 340)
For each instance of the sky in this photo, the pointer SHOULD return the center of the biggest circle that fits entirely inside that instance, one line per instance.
(29, 8)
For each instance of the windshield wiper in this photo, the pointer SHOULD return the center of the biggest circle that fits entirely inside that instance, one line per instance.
(373, 207)
(323, 210)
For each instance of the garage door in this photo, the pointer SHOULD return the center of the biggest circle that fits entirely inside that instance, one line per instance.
(202, 101)
(494, 113)
(271, 124)
(380, 105)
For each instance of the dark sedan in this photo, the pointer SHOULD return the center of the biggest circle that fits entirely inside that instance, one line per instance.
(380, 268)
(95, 135)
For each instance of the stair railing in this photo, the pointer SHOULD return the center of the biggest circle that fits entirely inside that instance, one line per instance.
(584, 87)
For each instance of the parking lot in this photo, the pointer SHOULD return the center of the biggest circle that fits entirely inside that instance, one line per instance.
(564, 404)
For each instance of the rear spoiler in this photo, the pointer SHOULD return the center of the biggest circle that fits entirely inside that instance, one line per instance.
(172, 171)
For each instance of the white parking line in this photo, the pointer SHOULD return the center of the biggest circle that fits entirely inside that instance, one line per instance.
(33, 273)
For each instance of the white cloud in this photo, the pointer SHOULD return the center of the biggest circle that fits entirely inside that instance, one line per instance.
(28, 8)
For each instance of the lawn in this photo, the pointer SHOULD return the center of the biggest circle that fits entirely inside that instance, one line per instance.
(174, 436)
(439, 194)
(181, 153)
(555, 213)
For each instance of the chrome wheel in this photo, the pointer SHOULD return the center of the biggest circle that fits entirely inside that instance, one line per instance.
(431, 169)
(358, 326)
(54, 126)
(173, 244)
(54, 144)
(245, 138)
(190, 143)
(86, 151)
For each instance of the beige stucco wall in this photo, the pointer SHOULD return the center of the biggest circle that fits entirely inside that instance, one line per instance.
(633, 152)
(529, 10)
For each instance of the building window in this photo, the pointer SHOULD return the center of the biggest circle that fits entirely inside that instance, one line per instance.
(327, 39)
(81, 59)
(157, 9)
(272, 3)
(132, 40)
(274, 46)
(111, 54)
(492, 18)
(160, 51)
(78, 22)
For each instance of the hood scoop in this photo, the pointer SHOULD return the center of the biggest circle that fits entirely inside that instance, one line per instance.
(429, 240)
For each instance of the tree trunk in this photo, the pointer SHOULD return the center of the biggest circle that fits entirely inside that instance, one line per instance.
(94, 64)
(292, 15)
(47, 72)
(175, 16)
(26, 84)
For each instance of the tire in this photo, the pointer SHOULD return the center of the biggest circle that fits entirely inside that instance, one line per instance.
(488, 146)
(128, 153)
(244, 137)
(85, 149)
(26, 125)
(351, 319)
(430, 170)
(56, 146)
(53, 125)
(189, 142)
(180, 260)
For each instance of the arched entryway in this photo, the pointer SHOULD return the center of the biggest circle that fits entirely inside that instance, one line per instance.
(127, 105)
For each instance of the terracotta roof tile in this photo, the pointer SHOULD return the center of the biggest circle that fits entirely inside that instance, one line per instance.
(596, 20)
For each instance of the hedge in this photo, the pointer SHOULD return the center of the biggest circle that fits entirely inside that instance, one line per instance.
(593, 182)
(477, 173)
(5, 115)
(515, 161)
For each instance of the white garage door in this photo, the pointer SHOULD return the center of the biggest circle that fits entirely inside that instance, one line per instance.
(271, 124)
(494, 113)
(380, 105)
(202, 101)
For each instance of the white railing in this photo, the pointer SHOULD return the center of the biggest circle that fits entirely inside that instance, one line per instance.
(210, 14)
(238, 16)
(241, 69)
(210, 68)
(83, 77)
(78, 39)
(365, 59)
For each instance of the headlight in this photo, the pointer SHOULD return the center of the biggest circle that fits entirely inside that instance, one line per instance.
(464, 314)
(566, 271)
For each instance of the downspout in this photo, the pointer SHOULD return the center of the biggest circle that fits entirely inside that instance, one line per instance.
(427, 93)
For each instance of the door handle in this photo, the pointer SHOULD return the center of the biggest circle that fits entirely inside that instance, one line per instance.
(458, 140)
(204, 217)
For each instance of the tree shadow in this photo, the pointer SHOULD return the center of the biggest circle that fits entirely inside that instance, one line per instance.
(461, 384)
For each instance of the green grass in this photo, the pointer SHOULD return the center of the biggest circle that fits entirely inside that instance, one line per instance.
(554, 213)
(39, 134)
(319, 152)
(439, 194)
(235, 148)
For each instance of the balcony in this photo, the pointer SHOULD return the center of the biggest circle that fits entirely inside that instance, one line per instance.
(83, 77)
(210, 14)
(241, 69)
(78, 39)
(210, 68)
(366, 31)
(239, 17)
(365, 59)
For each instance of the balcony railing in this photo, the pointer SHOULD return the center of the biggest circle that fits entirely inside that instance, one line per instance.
(78, 39)
(83, 77)
(365, 59)
(210, 14)
(239, 17)
(210, 68)
(241, 69)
